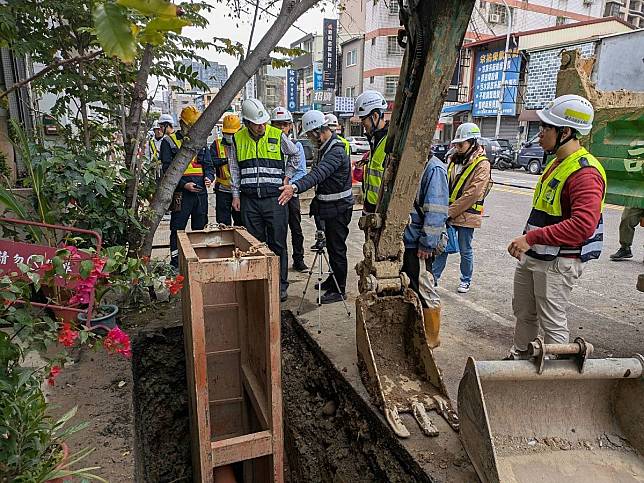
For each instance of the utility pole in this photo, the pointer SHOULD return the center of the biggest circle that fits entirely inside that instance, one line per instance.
(499, 109)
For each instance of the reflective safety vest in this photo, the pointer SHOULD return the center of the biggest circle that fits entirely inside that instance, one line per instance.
(456, 189)
(373, 175)
(546, 208)
(223, 173)
(194, 168)
(347, 146)
(261, 166)
(154, 149)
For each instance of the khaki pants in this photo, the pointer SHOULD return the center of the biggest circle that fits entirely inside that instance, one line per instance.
(541, 294)
(630, 219)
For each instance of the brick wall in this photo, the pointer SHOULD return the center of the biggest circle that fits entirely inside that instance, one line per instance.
(542, 74)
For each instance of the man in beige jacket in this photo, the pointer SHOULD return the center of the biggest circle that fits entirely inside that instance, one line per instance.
(468, 174)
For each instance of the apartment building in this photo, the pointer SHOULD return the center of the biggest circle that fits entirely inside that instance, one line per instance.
(631, 11)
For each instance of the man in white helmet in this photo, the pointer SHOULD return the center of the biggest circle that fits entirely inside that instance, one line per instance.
(333, 200)
(370, 107)
(331, 120)
(261, 160)
(468, 174)
(154, 142)
(282, 119)
(565, 227)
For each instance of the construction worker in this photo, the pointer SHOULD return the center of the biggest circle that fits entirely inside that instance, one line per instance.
(468, 174)
(565, 227)
(332, 121)
(154, 141)
(224, 212)
(370, 107)
(631, 217)
(257, 168)
(424, 239)
(333, 202)
(282, 119)
(190, 199)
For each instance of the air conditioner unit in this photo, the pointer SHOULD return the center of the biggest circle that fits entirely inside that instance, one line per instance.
(494, 18)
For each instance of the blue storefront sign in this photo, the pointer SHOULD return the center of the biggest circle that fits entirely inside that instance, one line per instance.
(317, 76)
(487, 83)
(291, 89)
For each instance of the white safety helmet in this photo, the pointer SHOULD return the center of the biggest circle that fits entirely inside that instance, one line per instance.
(253, 111)
(156, 125)
(166, 119)
(331, 120)
(466, 131)
(312, 120)
(369, 101)
(569, 111)
(281, 114)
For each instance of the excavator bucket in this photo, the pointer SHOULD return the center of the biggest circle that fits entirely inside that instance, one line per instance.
(396, 363)
(554, 421)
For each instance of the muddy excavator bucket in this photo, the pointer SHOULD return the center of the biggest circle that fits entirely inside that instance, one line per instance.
(396, 363)
(573, 420)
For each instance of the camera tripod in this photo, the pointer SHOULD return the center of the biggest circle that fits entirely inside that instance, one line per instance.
(320, 256)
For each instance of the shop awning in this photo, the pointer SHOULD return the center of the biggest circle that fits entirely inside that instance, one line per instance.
(451, 110)
(528, 115)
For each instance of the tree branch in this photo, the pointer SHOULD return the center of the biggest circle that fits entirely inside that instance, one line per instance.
(47, 69)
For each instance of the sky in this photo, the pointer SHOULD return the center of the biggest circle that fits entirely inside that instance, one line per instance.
(223, 26)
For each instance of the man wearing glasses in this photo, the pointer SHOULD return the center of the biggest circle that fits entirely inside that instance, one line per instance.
(565, 227)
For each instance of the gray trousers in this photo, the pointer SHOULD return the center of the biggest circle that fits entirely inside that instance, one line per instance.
(631, 217)
(541, 294)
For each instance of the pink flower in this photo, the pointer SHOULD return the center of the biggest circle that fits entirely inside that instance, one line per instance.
(54, 371)
(73, 252)
(66, 335)
(117, 342)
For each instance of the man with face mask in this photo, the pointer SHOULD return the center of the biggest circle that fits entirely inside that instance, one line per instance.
(565, 228)
(370, 107)
(332, 121)
(261, 160)
(333, 200)
(468, 174)
(223, 190)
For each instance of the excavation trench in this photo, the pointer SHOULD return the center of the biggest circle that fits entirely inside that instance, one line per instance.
(331, 434)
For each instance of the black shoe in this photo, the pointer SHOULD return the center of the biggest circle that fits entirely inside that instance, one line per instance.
(327, 285)
(300, 266)
(622, 254)
(283, 296)
(332, 297)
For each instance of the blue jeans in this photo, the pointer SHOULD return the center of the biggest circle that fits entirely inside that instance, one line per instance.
(465, 236)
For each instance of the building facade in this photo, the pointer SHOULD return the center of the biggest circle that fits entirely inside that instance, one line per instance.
(213, 74)
(309, 69)
(631, 11)
(271, 86)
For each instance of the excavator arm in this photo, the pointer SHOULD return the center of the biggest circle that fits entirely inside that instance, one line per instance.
(396, 364)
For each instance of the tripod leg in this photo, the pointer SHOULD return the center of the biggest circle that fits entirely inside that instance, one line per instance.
(337, 286)
(308, 281)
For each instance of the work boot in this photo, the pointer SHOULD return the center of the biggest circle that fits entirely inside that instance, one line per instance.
(432, 320)
(463, 287)
(622, 254)
(300, 266)
(331, 297)
(283, 296)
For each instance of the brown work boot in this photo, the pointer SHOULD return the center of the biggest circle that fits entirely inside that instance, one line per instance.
(432, 319)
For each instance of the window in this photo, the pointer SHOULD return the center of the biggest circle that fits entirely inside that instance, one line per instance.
(393, 7)
(560, 21)
(391, 84)
(498, 14)
(392, 46)
(350, 92)
(308, 46)
(271, 91)
(352, 57)
(371, 80)
(612, 10)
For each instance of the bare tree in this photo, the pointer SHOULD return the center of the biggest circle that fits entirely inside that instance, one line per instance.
(197, 138)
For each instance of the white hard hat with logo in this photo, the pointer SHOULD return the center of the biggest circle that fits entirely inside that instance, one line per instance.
(156, 125)
(312, 120)
(466, 131)
(166, 119)
(369, 101)
(281, 114)
(253, 111)
(571, 111)
(331, 120)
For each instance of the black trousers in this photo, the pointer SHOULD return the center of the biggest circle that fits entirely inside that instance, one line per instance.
(193, 206)
(224, 212)
(295, 225)
(336, 231)
(267, 221)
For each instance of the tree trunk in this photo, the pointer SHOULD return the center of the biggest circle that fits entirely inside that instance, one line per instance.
(291, 10)
(133, 122)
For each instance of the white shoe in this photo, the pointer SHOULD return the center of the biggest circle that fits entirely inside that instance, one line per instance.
(463, 287)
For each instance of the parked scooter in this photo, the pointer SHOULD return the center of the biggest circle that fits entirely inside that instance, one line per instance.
(505, 161)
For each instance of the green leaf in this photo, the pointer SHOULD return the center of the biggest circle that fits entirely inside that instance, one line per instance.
(114, 32)
(86, 267)
(173, 24)
(151, 8)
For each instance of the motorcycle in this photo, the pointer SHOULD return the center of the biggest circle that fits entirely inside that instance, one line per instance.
(505, 160)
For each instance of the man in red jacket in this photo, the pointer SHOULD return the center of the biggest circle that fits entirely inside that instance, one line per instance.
(565, 228)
